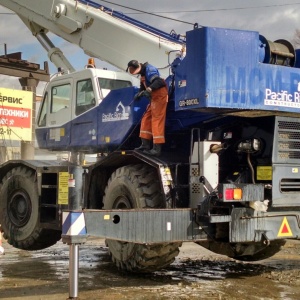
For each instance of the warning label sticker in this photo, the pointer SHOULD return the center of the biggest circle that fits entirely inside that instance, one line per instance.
(63, 188)
(285, 229)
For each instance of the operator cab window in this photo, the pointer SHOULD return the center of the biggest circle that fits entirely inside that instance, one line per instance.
(43, 112)
(108, 85)
(85, 96)
(61, 98)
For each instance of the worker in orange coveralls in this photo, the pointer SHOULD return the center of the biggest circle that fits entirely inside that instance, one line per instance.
(153, 121)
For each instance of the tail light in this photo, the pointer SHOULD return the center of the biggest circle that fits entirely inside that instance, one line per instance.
(233, 194)
(241, 192)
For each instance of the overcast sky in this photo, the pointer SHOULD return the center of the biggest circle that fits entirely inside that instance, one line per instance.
(274, 19)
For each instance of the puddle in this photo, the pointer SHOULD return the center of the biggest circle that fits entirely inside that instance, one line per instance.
(196, 274)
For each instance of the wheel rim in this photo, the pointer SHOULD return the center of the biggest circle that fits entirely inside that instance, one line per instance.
(19, 208)
(122, 202)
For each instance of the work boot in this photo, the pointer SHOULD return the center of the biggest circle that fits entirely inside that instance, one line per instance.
(145, 145)
(156, 151)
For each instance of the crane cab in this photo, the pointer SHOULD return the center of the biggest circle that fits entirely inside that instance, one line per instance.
(69, 97)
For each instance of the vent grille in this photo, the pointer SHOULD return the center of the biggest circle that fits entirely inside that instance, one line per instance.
(195, 171)
(287, 141)
(290, 185)
(196, 188)
(289, 125)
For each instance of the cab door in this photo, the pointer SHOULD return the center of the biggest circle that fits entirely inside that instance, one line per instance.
(84, 123)
(59, 115)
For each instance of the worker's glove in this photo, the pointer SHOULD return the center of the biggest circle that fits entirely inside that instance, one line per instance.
(147, 94)
(138, 95)
(142, 94)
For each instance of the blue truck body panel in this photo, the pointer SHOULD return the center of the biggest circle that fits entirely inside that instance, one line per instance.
(223, 69)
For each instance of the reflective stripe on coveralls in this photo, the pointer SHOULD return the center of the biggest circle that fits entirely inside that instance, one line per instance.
(153, 122)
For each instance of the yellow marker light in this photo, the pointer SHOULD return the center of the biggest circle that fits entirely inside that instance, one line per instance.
(237, 194)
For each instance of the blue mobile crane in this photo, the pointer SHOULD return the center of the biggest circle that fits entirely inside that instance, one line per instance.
(228, 177)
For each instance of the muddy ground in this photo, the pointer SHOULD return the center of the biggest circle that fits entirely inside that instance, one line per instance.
(196, 274)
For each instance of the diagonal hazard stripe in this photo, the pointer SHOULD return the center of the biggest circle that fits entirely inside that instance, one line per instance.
(73, 224)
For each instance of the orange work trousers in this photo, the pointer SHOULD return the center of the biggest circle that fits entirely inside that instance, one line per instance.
(154, 119)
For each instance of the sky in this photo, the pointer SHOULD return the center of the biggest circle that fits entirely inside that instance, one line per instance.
(274, 19)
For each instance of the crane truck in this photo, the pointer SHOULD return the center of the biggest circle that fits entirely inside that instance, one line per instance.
(228, 177)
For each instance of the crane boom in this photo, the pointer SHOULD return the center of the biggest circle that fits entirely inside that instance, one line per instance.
(99, 31)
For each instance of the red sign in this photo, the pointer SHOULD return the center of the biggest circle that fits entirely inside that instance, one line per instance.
(15, 117)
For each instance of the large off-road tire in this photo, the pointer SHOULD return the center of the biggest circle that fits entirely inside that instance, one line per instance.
(137, 186)
(19, 211)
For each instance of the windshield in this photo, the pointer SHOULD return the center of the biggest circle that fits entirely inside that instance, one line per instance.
(108, 84)
(113, 84)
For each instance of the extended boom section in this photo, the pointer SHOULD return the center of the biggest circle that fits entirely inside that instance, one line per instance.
(98, 31)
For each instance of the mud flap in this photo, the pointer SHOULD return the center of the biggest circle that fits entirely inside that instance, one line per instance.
(248, 225)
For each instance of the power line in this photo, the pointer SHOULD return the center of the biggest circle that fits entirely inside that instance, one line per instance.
(148, 13)
(138, 11)
(212, 10)
(156, 14)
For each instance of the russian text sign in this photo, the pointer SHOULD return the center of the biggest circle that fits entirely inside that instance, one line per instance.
(15, 114)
